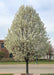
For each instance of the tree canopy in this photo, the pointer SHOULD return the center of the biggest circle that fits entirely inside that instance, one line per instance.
(27, 36)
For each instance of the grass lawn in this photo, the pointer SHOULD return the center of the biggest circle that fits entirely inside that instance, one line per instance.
(12, 62)
(43, 62)
(39, 62)
(46, 62)
(6, 74)
(46, 74)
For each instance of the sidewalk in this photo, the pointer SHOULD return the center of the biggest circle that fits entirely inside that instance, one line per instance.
(36, 69)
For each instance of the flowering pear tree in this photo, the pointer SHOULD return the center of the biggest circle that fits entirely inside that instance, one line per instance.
(27, 36)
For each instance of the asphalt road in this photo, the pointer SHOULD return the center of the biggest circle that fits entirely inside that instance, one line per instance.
(36, 68)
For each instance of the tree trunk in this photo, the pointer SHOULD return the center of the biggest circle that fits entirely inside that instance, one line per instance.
(27, 67)
(49, 56)
(36, 60)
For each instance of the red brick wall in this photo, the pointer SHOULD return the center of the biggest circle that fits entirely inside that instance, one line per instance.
(4, 49)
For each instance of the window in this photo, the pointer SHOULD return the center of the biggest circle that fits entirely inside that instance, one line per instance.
(2, 45)
(11, 55)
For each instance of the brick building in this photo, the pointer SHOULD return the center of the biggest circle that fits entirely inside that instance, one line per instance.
(3, 49)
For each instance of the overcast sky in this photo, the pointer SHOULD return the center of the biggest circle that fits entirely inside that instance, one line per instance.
(45, 8)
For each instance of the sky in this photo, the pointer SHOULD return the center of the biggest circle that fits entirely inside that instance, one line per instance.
(45, 8)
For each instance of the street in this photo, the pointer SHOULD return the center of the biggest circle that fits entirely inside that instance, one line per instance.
(21, 68)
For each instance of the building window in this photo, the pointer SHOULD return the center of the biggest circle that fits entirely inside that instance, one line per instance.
(11, 55)
(2, 45)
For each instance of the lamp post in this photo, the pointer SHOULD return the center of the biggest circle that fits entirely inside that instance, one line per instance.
(36, 59)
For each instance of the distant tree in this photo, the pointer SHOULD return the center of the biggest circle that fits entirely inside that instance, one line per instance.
(50, 51)
(27, 37)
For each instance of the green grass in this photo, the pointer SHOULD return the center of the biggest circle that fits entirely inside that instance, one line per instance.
(34, 62)
(46, 62)
(17, 62)
(46, 74)
(6, 74)
(12, 62)
(43, 62)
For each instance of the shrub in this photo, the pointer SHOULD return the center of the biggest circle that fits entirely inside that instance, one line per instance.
(2, 54)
